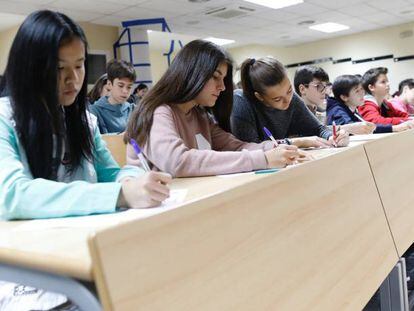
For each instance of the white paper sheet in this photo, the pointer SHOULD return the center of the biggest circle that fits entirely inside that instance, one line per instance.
(105, 220)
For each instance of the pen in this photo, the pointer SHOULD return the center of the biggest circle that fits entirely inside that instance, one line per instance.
(138, 151)
(359, 117)
(334, 132)
(269, 134)
(267, 171)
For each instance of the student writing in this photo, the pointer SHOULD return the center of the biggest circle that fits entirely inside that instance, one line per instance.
(183, 122)
(267, 100)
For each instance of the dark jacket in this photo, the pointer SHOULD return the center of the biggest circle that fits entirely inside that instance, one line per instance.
(340, 113)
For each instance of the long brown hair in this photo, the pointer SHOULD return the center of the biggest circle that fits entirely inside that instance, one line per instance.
(258, 74)
(192, 67)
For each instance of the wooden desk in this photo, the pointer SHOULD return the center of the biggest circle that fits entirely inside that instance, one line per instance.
(392, 164)
(299, 233)
(64, 251)
(245, 245)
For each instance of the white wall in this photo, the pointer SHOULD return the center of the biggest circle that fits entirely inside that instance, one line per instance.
(160, 43)
(357, 46)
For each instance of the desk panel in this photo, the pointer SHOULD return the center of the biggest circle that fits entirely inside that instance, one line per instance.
(392, 163)
(302, 232)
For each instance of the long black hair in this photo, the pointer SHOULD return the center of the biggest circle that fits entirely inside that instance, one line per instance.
(31, 82)
(192, 67)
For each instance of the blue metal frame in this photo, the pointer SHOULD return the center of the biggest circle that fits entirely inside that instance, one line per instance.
(142, 22)
(168, 54)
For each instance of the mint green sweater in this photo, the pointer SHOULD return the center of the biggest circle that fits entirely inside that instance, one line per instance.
(92, 188)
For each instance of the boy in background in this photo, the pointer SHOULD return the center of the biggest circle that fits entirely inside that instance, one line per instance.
(113, 111)
(310, 83)
(376, 108)
(348, 96)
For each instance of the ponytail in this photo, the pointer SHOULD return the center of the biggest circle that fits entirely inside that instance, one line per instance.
(258, 74)
(246, 81)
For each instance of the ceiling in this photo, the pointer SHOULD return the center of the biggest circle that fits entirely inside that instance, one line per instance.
(258, 24)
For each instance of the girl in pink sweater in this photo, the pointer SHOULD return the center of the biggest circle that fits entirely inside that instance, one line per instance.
(183, 122)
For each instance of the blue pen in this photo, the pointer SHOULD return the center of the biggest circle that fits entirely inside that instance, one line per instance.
(269, 134)
(267, 171)
(138, 151)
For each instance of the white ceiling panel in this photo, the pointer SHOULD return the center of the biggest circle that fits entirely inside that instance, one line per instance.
(137, 12)
(33, 2)
(258, 24)
(360, 10)
(89, 6)
(126, 2)
(305, 9)
(109, 20)
(80, 16)
(335, 4)
(386, 5)
(19, 8)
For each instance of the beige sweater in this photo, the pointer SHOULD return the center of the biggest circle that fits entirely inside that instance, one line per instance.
(193, 145)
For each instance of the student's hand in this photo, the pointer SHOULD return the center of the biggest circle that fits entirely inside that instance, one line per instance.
(360, 128)
(311, 141)
(342, 139)
(305, 156)
(148, 190)
(281, 156)
(403, 126)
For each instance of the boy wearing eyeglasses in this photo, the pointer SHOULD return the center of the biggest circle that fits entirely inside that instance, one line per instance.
(310, 84)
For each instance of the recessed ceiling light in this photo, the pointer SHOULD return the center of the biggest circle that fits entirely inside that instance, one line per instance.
(149, 30)
(219, 41)
(329, 27)
(275, 4)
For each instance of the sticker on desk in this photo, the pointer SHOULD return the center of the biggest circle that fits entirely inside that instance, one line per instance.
(176, 199)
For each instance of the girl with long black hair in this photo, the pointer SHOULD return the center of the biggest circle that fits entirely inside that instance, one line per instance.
(53, 161)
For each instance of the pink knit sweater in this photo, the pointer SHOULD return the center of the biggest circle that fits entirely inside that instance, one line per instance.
(193, 145)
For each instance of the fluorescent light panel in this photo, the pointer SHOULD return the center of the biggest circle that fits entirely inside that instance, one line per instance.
(219, 41)
(329, 27)
(275, 4)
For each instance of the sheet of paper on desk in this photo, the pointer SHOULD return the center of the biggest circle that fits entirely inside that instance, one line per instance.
(235, 175)
(105, 220)
(366, 137)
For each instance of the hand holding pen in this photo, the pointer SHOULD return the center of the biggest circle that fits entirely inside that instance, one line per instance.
(335, 134)
(144, 191)
(139, 154)
(282, 155)
(269, 134)
(340, 138)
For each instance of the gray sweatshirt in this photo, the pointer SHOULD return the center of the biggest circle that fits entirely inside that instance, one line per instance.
(248, 120)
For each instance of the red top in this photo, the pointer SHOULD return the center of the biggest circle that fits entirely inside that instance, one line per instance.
(386, 114)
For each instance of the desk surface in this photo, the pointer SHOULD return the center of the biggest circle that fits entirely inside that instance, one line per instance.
(298, 233)
(65, 251)
(392, 164)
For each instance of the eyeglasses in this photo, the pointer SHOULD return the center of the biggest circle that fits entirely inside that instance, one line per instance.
(320, 87)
